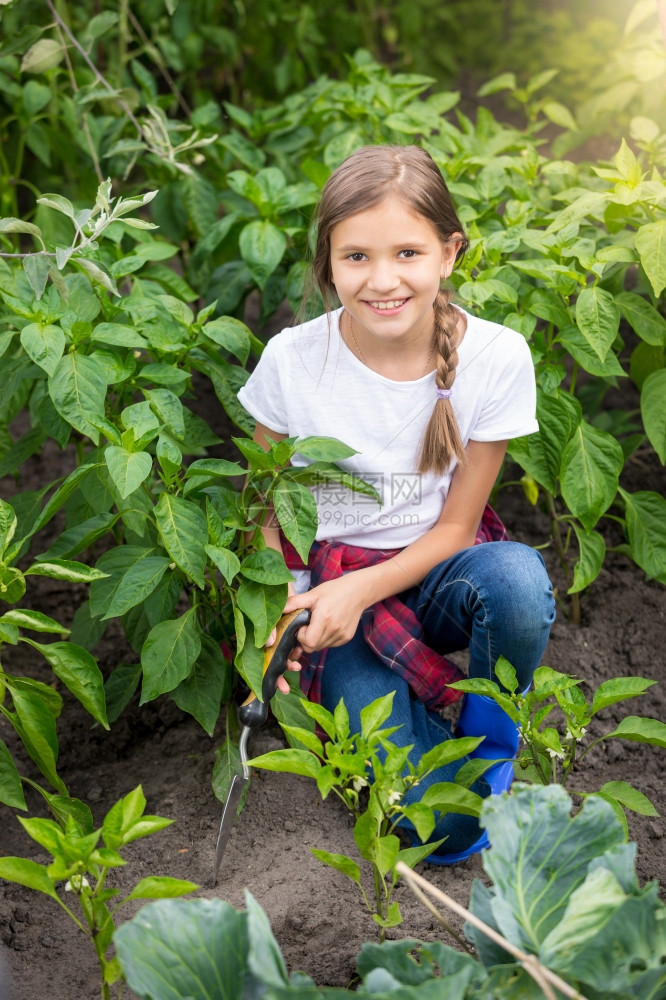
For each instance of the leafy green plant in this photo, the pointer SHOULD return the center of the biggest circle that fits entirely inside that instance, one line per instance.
(110, 370)
(554, 745)
(564, 911)
(83, 865)
(342, 765)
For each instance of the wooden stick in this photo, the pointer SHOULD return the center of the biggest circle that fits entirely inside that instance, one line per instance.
(541, 975)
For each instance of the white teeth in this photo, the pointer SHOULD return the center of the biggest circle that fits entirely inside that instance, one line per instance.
(388, 305)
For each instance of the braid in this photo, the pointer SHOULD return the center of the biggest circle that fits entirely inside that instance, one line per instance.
(441, 441)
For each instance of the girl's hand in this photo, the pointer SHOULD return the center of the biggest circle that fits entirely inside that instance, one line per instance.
(336, 608)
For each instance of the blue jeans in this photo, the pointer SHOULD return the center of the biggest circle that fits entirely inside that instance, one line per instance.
(495, 599)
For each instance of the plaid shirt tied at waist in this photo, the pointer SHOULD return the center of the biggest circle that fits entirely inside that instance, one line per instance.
(390, 628)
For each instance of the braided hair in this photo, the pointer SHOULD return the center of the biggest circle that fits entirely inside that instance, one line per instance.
(362, 181)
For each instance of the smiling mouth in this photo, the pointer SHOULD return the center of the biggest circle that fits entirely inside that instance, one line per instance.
(391, 304)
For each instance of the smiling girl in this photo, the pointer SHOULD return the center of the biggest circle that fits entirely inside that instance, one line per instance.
(429, 396)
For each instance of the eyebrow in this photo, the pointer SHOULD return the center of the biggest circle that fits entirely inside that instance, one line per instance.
(357, 248)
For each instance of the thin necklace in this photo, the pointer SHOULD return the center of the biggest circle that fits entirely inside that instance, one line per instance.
(360, 352)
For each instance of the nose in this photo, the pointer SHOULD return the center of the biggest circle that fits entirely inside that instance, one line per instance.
(383, 277)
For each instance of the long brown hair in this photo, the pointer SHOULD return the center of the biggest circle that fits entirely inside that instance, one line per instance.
(362, 181)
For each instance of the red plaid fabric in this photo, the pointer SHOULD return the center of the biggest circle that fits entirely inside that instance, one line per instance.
(390, 628)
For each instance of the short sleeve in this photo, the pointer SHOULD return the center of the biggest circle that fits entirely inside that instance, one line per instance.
(264, 395)
(509, 410)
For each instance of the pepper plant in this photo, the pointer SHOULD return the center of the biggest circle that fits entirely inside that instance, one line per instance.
(552, 753)
(84, 867)
(371, 776)
(108, 371)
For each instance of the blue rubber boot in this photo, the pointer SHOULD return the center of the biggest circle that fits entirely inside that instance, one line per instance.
(481, 716)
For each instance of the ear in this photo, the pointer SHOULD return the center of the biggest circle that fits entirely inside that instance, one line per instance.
(449, 254)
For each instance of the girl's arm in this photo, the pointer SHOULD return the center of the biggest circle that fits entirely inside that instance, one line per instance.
(338, 604)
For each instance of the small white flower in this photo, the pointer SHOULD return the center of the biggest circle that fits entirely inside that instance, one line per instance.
(394, 797)
(359, 783)
(555, 753)
(76, 883)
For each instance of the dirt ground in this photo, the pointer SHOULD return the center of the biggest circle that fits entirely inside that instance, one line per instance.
(317, 914)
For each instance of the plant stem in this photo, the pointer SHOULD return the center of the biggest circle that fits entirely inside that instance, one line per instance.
(560, 548)
(121, 103)
(537, 765)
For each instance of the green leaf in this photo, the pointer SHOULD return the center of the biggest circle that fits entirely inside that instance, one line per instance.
(35, 724)
(651, 245)
(34, 620)
(592, 551)
(375, 714)
(584, 354)
(591, 464)
(78, 671)
(447, 796)
(202, 692)
(649, 324)
(629, 797)
(172, 950)
(160, 887)
(618, 689)
(80, 536)
(296, 511)
(637, 729)
(78, 389)
(8, 522)
(646, 516)
(305, 737)
(340, 862)
(231, 334)
(226, 561)
(128, 469)
(118, 335)
(11, 225)
(506, 675)
(385, 852)
(539, 857)
(44, 345)
(653, 411)
(12, 584)
(65, 569)
(540, 454)
(226, 767)
(11, 790)
(119, 688)
(321, 716)
(292, 761)
(267, 567)
(263, 604)
(183, 530)
(114, 564)
(168, 654)
(28, 873)
(262, 246)
(289, 711)
(598, 319)
(324, 449)
(63, 493)
(136, 585)
(98, 272)
(212, 467)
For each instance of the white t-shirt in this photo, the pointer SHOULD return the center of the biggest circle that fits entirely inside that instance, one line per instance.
(308, 382)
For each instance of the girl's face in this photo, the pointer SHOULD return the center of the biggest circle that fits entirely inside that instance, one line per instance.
(386, 265)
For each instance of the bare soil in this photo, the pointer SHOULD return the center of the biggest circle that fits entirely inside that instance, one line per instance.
(317, 914)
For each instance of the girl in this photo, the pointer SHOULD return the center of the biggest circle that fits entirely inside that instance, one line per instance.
(429, 396)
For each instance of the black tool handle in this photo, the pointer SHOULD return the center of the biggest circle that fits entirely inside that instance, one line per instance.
(254, 712)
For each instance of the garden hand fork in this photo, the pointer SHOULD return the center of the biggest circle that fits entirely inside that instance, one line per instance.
(253, 713)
